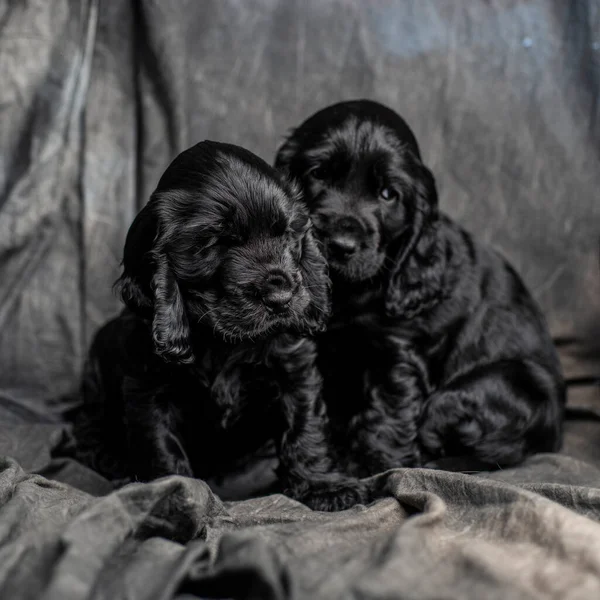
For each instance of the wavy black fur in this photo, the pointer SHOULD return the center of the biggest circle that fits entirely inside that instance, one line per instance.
(435, 347)
(224, 284)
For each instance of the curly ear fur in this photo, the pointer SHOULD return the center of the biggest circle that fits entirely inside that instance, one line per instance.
(315, 272)
(149, 289)
(416, 281)
(170, 327)
(313, 265)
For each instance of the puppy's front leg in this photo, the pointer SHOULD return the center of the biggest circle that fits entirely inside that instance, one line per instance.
(155, 449)
(386, 433)
(306, 468)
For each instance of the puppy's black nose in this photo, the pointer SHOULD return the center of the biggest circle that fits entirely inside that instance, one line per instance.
(277, 291)
(343, 247)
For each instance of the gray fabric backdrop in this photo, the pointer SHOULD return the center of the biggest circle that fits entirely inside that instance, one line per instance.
(97, 97)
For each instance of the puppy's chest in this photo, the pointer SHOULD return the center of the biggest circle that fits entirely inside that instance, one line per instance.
(232, 388)
(348, 357)
(229, 412)
(355, 358)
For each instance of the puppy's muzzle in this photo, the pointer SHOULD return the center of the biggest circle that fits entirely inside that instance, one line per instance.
(345, 238)
(277, 291)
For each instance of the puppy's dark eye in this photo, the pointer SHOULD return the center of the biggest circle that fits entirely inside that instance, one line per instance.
(388, 195)
(319, 173)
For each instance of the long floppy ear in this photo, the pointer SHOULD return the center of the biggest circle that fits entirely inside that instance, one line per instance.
(149, 288)
(415, 282)
(316, 278)
(170, 326)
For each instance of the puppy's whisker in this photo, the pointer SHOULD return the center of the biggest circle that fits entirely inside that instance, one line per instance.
(320, 309)
(207, 312)
(312, 287)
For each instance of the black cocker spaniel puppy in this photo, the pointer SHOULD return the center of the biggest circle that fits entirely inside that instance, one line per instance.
(435, 348)
(223, 283)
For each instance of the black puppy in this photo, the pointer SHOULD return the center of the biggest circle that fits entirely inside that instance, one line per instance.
(435, 347)
(223, 281)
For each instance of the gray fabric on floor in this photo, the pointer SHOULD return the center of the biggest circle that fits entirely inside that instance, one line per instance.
(527, 533)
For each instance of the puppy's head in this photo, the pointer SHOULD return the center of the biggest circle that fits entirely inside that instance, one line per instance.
(224, 242)
(369, 194)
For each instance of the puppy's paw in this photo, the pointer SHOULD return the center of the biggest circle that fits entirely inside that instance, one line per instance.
(335, 497)
(449, 421)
